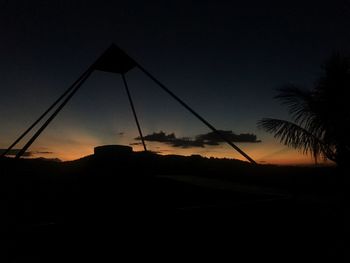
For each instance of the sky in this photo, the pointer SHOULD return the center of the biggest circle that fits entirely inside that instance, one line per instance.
(224, 58)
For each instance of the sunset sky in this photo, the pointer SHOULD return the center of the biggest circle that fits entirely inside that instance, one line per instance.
(223, 58)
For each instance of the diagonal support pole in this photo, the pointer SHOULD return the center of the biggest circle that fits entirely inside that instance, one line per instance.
(218, 133)
(43, 115)
(134, 111)
(53, 115)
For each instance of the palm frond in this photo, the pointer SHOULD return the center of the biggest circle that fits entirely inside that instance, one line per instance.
(300, 103)
(305, 109)
(295, 136)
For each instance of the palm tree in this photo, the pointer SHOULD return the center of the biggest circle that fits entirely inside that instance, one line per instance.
(320, 117)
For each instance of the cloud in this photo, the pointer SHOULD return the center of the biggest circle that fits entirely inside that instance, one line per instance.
(213, 139)
(159, 137)
(135, 143)
(42, 152)
(187, 143)
(200, 140)
(14, 152)
(171, 140)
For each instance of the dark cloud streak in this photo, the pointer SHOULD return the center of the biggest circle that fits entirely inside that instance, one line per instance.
(212, 139)
(42, 152)
(14, 152)
(201, 140)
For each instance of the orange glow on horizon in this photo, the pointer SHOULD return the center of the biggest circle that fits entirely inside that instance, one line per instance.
(72, 144)
(262, 154)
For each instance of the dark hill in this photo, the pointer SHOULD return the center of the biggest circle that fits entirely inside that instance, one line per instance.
(168, 207)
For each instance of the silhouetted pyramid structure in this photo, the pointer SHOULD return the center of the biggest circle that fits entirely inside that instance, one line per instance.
(113, 60)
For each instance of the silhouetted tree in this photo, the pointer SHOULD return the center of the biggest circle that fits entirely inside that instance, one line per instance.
(320, 117)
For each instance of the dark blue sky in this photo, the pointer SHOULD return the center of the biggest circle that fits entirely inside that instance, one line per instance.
(225, 58)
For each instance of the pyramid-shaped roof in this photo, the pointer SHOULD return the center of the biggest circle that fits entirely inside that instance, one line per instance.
(115, 60)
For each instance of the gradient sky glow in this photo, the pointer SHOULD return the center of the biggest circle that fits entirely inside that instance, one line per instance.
(224, 58)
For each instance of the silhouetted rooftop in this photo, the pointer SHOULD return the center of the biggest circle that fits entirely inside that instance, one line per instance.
(107, 151)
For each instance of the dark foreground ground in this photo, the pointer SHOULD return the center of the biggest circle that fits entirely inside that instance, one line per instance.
(163, 208)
